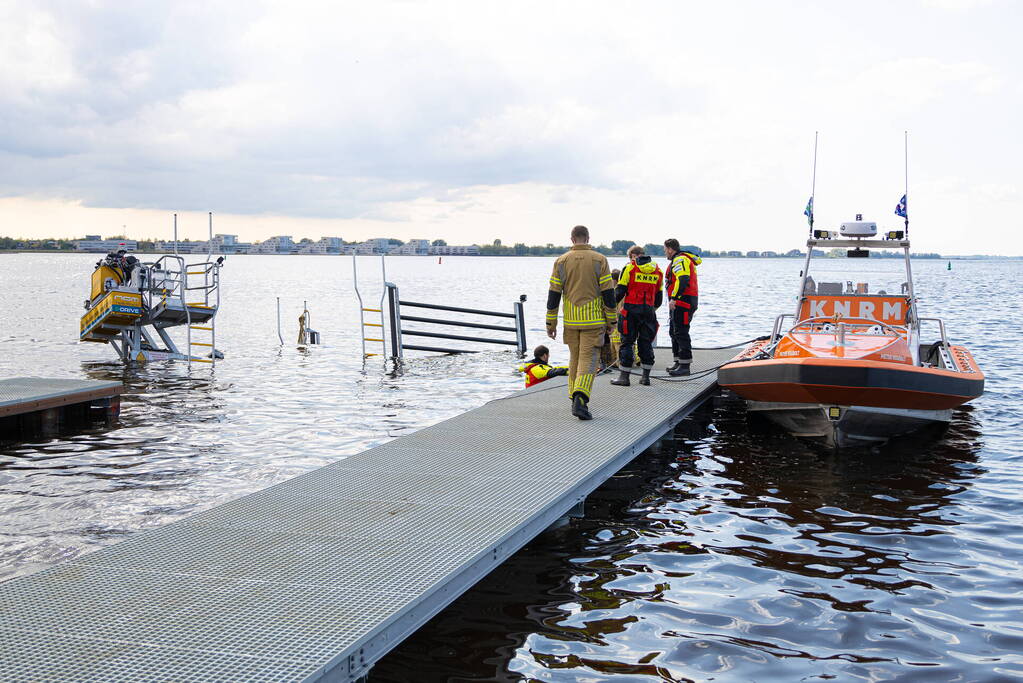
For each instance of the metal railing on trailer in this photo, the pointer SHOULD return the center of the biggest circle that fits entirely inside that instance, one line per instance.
(399, 332)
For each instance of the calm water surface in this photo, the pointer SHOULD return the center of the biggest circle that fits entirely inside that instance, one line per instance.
(729, 551)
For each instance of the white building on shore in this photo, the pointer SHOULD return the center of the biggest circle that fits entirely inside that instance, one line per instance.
(413, 248)
(279, 244)
(326, 245)
(93, 243)
(470, 250)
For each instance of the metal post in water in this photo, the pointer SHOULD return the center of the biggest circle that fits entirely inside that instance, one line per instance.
(394, 309)
(279, 336)
(358, 296)
(520, 326)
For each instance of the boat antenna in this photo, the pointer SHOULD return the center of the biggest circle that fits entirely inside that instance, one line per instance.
(813, 182)
(905, 134)
(175, 234)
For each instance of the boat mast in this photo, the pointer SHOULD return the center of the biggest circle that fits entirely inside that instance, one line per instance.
(809, 242)
(813, 181)
(905, 139)
(915, 320)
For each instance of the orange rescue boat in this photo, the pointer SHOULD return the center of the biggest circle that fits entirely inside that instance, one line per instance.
(851, 369)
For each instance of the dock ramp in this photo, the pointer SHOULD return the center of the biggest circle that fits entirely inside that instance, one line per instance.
(316, 578)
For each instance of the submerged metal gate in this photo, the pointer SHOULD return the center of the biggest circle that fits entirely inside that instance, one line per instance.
(398, 331)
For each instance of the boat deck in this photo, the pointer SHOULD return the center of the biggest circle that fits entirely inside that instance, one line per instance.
(318, 577)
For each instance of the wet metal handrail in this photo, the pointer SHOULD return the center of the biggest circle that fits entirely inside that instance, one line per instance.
(395, 303)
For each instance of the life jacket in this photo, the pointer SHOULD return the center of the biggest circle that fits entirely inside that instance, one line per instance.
(693, 288)
(535, 372)
(644, 281)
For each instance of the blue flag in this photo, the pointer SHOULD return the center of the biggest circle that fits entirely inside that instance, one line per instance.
(808, 211)
(902, 209)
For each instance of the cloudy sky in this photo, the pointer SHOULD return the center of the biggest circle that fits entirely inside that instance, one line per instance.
(477, 120)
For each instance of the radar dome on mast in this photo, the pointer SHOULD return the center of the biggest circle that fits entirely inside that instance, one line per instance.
(858, 228)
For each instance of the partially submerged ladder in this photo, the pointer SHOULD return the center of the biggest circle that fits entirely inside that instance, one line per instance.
(368, 328)
(207, 297)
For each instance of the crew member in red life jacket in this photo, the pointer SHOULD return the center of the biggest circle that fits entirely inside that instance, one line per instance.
(639, 292)
(537, 370)
(683, 297)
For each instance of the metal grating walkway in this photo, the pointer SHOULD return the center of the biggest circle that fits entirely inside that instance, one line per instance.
(26, 394)
(317, 577)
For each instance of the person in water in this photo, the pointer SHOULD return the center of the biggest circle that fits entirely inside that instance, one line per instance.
(539, 369)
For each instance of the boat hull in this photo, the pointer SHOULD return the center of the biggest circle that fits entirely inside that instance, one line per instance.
(847, 426)
(834, 381)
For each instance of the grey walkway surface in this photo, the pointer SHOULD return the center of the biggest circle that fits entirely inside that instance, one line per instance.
(319, 576)
(26, 394)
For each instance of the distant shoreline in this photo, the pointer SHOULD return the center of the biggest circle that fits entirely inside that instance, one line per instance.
(979, 257)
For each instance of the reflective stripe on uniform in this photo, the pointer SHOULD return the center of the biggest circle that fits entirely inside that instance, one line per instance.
(588, 314)
(583, 385)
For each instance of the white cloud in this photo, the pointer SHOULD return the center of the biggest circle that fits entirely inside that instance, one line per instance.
(453, 113)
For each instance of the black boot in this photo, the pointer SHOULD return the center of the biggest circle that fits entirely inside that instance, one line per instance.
(579, 408)
(622, 379)
(673, 366)
(645, 379)
(679, 370)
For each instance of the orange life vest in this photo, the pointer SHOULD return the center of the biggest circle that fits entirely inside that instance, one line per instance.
(693, 288)
(643, 287)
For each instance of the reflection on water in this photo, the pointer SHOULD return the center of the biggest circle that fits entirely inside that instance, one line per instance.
(723, 554)
(728, 552)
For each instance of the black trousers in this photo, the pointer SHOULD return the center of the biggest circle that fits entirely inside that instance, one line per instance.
(637, 323)
(678, 327)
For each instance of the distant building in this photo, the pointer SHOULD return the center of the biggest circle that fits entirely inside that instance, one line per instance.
(380, 245)
(326, 245)
(793, 253)
(229, 244)
(413, 248)
(733, 254)
(279, 244)
(471, 250)
(769, 254)
(752, 254)
(183, 247)
(332, 244)
(92, 243)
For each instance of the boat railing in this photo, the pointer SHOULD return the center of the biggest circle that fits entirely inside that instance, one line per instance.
(900, 330)
(945, 350)
(941, 329)
(776, 330)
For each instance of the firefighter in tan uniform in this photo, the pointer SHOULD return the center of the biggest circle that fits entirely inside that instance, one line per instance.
(582, 278)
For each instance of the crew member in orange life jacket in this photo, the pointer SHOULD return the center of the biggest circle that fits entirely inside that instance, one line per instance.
(537, 370)
(640, 294)
(683, 296)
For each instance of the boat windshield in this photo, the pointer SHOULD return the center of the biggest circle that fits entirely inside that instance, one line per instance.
(856, 276)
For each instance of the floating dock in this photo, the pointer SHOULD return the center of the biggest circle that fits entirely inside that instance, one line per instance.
(318, 577)
(30, 405)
